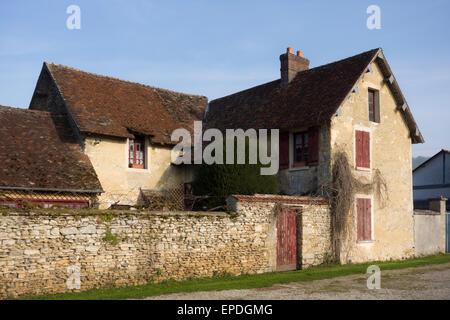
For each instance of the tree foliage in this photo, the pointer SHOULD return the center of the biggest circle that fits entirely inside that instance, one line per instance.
(218, 181)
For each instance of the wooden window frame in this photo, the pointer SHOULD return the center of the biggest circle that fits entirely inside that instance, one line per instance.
(133, 145)
(312, 138)
(304, 161)
(374, 100)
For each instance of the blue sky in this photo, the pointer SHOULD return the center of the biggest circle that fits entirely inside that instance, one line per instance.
(214, 48)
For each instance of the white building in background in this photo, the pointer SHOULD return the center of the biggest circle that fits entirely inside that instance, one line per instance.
(432, 179)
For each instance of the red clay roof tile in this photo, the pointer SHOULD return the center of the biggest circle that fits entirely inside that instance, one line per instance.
(38, 151)
(109, 106)
(311, 98)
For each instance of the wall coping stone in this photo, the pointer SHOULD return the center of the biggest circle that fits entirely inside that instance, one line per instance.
(95, 212)
(281, 199)
(426, 212)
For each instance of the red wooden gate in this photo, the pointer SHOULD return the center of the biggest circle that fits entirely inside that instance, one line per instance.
(287, 239)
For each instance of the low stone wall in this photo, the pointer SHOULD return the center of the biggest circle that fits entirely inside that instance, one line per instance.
(314, 235)
(126, 248)
(40, 250)
(313, 225)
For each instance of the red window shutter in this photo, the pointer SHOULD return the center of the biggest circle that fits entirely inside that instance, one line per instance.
(364, 219)
(313, 138)
(368, 221)
(362, 149)
(366, 148)
(360, 218)
(284, 150)
(358, 148)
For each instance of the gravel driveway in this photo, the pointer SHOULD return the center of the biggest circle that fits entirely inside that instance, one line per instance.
(430, 282)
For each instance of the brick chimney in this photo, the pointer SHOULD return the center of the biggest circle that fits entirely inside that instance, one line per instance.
(291, 64)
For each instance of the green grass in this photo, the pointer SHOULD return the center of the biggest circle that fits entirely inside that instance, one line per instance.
(226, 282)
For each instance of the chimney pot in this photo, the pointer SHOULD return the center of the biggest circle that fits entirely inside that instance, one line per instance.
(292, 64)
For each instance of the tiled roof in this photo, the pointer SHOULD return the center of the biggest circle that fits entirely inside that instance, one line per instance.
(311, 98)
(281, 199)
(43, 196)
(109, 106)
(38, 151)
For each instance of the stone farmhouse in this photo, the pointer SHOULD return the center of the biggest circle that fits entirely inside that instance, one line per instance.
(353, 107)
(117, 131)
(107, 143)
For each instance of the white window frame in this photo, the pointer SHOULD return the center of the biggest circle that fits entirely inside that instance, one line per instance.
(147, 160)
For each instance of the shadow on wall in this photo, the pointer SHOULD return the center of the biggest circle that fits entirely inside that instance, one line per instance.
(173, 177)
(298, 183)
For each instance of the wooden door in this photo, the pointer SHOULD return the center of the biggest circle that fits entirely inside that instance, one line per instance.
(287, 239)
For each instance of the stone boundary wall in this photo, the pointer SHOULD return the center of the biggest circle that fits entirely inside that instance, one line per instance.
(315, 235)
(123, 248)
(313, 225)
(126, 248)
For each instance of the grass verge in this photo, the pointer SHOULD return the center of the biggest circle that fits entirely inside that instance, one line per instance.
(226, 282)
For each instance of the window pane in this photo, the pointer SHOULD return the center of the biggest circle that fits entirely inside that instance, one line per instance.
(298, 154)
(301, 147)
(371, 105)
(298, 139)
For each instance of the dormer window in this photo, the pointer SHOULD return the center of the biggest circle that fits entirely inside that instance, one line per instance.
(136, 158)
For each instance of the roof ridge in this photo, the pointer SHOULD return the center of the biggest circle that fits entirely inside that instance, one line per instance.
(337, 61)
(431, 158)
(299, 73)
(122, 80)
(242, 91)
(25, 110)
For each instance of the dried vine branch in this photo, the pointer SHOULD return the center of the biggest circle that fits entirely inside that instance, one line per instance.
(340, 191)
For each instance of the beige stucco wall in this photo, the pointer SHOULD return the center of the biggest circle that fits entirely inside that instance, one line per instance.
(121, 184)
(393, 224)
